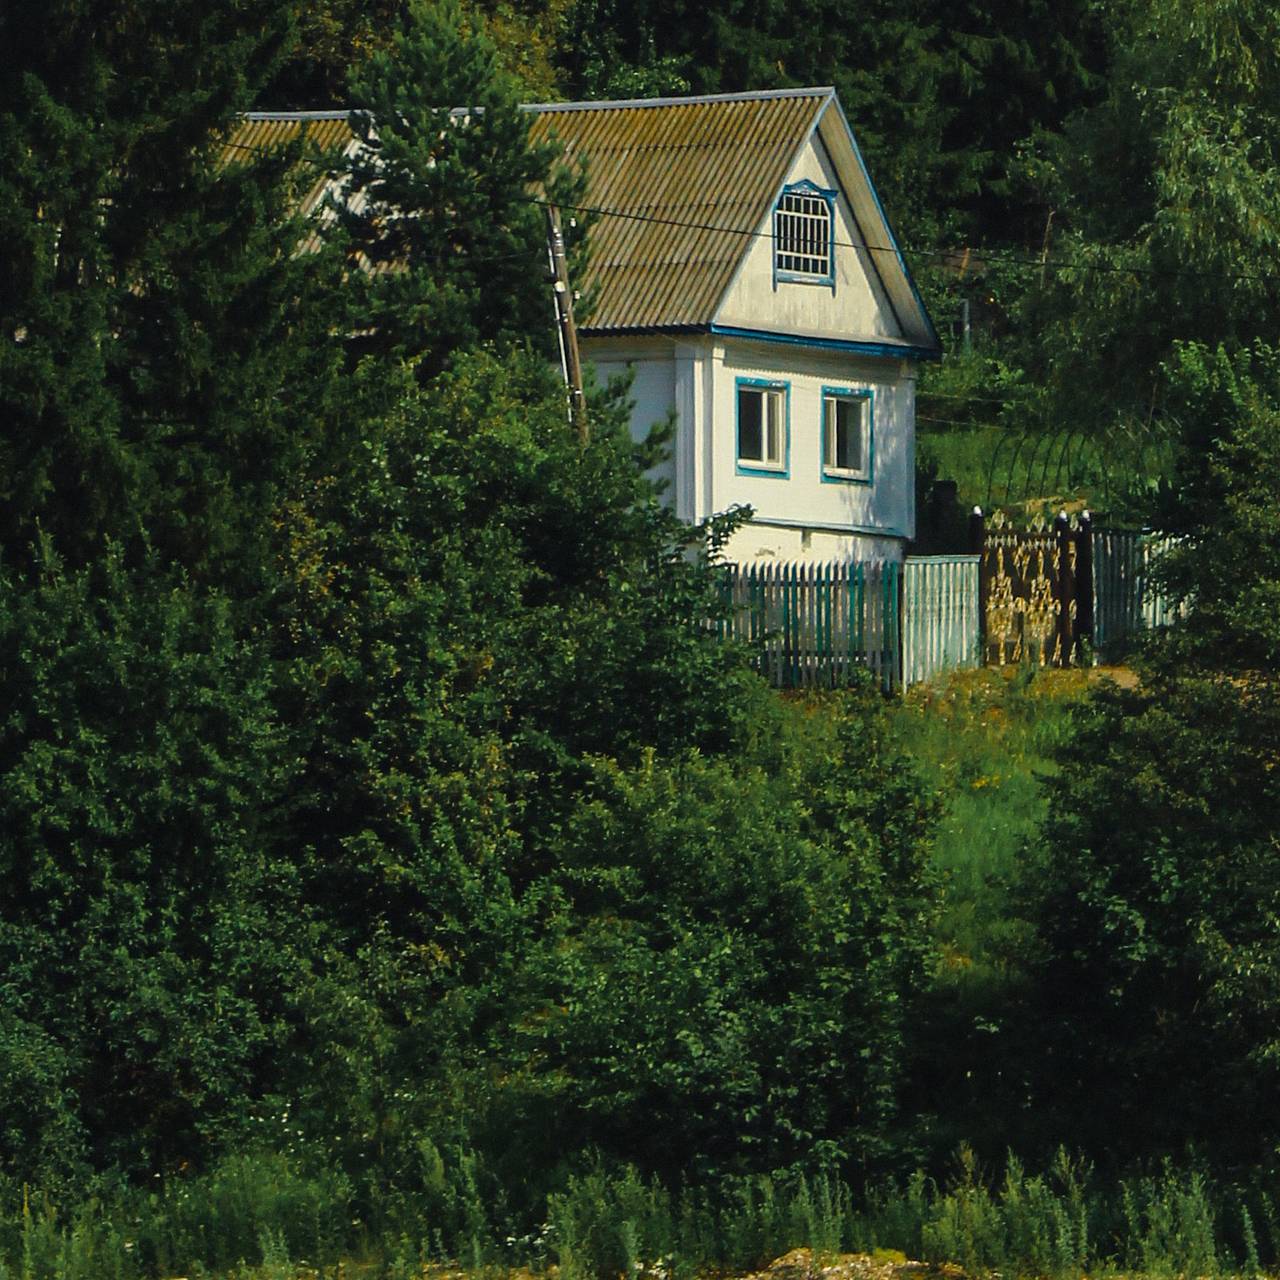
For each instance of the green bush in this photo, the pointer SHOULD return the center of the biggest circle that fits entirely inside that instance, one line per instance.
(1158, 925)
(142, 928)
(732, 952)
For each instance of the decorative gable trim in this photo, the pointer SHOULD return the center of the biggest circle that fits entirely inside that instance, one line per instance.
(926, 328)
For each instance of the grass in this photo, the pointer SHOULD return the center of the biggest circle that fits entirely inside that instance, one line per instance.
(982, 426)
(994, 466)
(983, 741)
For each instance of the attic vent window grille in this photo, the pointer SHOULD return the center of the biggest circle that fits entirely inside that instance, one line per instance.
(802, 233)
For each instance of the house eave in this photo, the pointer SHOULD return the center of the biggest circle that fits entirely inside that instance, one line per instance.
(883, 349)
(853, 346)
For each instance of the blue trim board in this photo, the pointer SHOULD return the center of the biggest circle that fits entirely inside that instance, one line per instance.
(762, 472)
(815, 138)
(892, 350)
(849, 393)
(893, 239)
(807, 188)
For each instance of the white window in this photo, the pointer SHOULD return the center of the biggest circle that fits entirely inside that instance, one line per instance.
(846, 435)
(762, 425)
(802, 233)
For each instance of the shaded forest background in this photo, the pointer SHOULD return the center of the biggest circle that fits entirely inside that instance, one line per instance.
(384, 834)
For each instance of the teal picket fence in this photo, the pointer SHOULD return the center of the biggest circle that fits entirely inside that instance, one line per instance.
(812, 625)
(940, 615)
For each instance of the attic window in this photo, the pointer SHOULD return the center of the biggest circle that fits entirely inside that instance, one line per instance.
(802, 234)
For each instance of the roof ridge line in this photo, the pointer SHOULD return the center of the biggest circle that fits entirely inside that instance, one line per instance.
(295, 115)
(756, 95)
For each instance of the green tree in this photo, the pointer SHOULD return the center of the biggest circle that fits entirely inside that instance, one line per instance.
(163, 376)
(157, 326)
(736, 943)
(473, 602)
(1166, 197)
(439, 206)
(147, 916)
(1161, 883)
(1155, 1013)
(1221, 504)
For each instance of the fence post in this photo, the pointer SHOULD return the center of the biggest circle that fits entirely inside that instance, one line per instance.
(895, 679)
(978, 546)
(1084, 579)
(1066, 587)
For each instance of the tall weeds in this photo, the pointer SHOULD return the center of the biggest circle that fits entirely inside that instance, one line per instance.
(1060, 1224)
(257, 1216)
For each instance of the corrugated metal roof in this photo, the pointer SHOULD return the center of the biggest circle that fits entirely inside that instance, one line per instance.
(263, 131)
(681, 180)
(679, 185)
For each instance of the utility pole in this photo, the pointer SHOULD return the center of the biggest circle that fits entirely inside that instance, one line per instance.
(570, 360)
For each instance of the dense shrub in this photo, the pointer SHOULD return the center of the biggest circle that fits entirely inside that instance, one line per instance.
(732, 949)
(140, 928)
(1160, 989)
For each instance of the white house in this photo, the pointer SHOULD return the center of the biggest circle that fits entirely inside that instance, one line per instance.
(743, 269)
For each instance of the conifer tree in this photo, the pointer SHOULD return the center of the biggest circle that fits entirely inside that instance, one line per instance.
(441, 206)
(153, 312)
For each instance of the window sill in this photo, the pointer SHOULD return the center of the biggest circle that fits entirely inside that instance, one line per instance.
(749, 468)
(832, 475)
(796, 277)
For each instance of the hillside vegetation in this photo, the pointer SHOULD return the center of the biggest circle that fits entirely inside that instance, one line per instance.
(397, 868)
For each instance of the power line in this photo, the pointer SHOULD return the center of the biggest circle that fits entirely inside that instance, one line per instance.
(949, 395)
(1006, 256)
(1016, 259)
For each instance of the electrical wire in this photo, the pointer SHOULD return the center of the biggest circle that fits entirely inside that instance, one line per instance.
(1005, 256)
(949, 395)
(1037, 263)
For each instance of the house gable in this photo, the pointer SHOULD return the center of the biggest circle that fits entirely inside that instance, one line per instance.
(674, 189)
(682, 193)
(852, 305)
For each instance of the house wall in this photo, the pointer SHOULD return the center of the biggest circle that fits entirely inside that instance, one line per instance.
(856, 306)
(651, 366)
(799, 515)
(844, 519)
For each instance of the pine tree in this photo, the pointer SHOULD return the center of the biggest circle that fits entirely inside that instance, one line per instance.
(155, 316)
(441, 209)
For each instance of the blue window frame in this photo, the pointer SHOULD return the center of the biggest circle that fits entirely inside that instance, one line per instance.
(848, 435)
(763, 416)
(804, 235)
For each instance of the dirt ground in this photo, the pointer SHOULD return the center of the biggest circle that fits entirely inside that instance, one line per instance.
(884, 1264)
